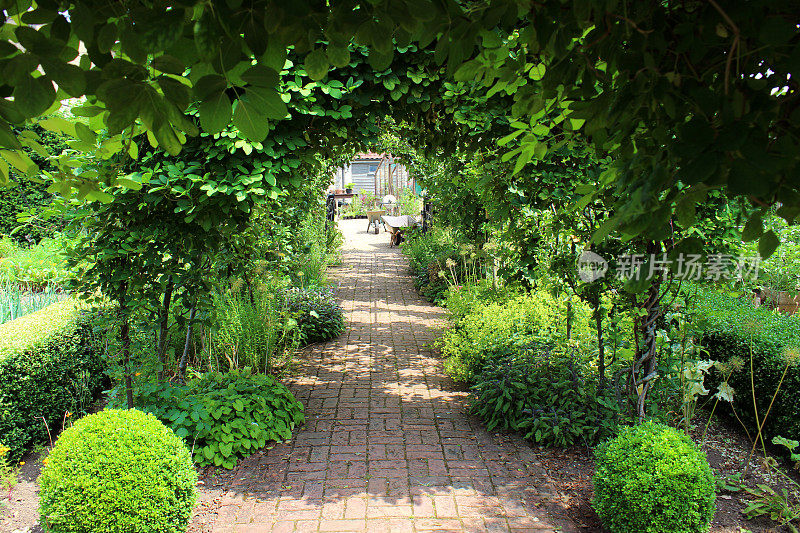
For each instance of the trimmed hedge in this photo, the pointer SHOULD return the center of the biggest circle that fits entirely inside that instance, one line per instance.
(118, 471)
(730, 326)
(48, 367)
(651, 479)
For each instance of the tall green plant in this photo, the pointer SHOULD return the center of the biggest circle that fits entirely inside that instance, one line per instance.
(254, 329)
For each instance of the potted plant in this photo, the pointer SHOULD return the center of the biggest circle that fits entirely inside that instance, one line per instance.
(348, 188)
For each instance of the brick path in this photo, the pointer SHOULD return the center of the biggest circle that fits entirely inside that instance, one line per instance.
(387, 446)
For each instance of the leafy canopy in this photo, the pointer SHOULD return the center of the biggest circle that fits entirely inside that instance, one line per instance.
(685, 97)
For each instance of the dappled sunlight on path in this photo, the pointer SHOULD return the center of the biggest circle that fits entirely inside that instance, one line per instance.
(387, 446)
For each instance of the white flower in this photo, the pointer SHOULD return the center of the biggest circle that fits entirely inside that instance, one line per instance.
(725, 392)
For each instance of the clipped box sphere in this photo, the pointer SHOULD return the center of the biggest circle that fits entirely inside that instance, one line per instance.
(118, 471)
(651, 478)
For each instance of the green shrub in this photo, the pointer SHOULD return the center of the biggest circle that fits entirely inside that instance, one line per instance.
(38, 266)
(731, 327)
(652, 478)
(464, 300)
(409, 203)
(354, 209)
(50, 364)
(253, 329)
(118, 471)
(535, 318)
(552, 398)
(224, 416)
(318, 315)
(19, 198)
(427, 257)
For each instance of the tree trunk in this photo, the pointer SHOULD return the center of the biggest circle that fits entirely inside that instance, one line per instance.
(125, 339)
(185, 357)
(601, 352)
(569, 320)
(646, 363)
(164, 328)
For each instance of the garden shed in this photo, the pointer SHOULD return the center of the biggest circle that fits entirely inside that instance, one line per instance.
(376, 173)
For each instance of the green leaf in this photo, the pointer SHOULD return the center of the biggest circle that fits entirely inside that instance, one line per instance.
(208, 85)
(59, 125)
(102, 197)
(467, 71)
(7, 137)
(604, 230)
(510, 137)
(380, 61)
(167, 139)
(541, 129)
(4, 173)
(316, 64)
(169, 64)
(250, 122)
(87, 111)
(129, 183)
(176, 92)
(339, 56)
(754, 228)
(685, 211)
(767, 244)
(537, 72)
(267, 101)
(84, 133)
(34, 95)
(260, 76)
(69, 77)
(275, 55)
(107, 37)
(20, 161)
(215, 112)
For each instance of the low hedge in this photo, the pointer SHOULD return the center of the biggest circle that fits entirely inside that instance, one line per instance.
(730, 327)
(652, 478)
(48, 367)
(118, 471)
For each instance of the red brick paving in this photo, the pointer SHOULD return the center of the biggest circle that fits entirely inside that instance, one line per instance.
(387, 446)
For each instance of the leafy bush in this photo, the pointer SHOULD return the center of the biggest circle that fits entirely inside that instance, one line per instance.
(224, 416)
(253, 329)
(35, 267)
(409, 203)
(465, 299)
(312, 254)
(553, 399)
(50, 364)
(535, 318)
(334, 239)
(731, 327)
(318, 315)
(652, 478)
(118, 471)
(427, 257)
(355, 208)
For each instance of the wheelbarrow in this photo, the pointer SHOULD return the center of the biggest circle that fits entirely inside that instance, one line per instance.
(396, 226)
